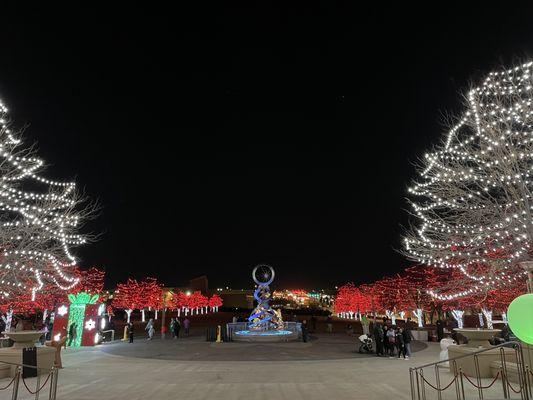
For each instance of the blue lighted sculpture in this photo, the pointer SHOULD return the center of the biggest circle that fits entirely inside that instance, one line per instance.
(263, 317)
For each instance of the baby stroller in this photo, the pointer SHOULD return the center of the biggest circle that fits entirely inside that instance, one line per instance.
(366, 344)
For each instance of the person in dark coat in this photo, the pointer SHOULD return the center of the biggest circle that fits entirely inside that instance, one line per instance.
(305, 331)
(386, 344)
(407, 337)
(440, 330)
(130, 332)
(400, 345)
(378, 338)
(177, 328)
(313, 323)
(72, 333)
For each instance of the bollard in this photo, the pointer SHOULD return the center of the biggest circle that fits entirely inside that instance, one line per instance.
(219, 335)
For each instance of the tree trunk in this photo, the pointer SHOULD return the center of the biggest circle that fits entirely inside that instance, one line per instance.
(488, 316)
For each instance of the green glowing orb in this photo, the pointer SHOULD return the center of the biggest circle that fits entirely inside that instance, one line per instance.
(520, 316)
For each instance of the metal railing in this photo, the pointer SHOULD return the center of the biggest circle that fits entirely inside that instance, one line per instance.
(509, 356)
(45, 381)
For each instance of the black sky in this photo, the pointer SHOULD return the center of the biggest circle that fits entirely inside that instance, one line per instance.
(221, 138)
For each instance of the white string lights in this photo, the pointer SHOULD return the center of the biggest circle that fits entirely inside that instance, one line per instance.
(473, 197)
(38, 221)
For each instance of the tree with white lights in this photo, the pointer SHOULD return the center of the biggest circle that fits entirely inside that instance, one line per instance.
(473, 199)
(39, 221)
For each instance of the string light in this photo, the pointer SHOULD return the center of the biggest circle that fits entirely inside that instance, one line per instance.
(38, 225)
(473, 196)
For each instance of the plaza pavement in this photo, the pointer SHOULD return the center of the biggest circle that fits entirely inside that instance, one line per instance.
(148, 370)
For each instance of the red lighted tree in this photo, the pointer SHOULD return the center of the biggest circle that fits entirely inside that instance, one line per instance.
(152, 293)
(128, 296)
(215, 302)
(388, 292)
(91, 281)
(197, 301)
(371, 302)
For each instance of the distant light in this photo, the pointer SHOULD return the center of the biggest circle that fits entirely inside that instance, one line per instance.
(62, 310)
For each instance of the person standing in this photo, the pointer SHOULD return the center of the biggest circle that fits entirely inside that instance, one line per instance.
(130, 331)
(150, 328)
(440, 330)
(177, 328)
(305, 331)
(366, 324)
(71, 333)
(186, 325)
(313, 323)
(172, 327)
(407, 337)
(400, 343)
(391, 340)
(378, 337)
(329, 324)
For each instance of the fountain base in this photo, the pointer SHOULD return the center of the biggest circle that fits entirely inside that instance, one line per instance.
(264, 336)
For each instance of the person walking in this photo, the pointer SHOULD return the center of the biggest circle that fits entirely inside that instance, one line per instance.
(150, 329)
(177, 328)
(407, 337)
(305, 331)
(366, 324)
(400, 343)
(186, 325)
(130, 331)
(378, 338)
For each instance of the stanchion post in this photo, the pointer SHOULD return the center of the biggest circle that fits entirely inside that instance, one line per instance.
(38, 385)
(15, 392)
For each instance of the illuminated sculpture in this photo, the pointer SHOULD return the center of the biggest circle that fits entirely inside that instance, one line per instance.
(264, 323)
(263, 317)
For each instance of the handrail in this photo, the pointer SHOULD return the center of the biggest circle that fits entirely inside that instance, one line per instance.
(506, 344)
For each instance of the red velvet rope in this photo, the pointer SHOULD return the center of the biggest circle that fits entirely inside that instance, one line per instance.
(481, 387)
(512, 388)
(38, 390)
(444, 388)
(10, 383)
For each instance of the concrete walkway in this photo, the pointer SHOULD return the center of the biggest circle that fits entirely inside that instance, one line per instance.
(94, 373)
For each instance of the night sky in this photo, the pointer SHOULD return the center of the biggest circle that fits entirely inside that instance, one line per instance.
(216, 139)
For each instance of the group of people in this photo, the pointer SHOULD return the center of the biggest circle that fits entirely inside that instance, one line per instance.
(391, 340)
(175, 327)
